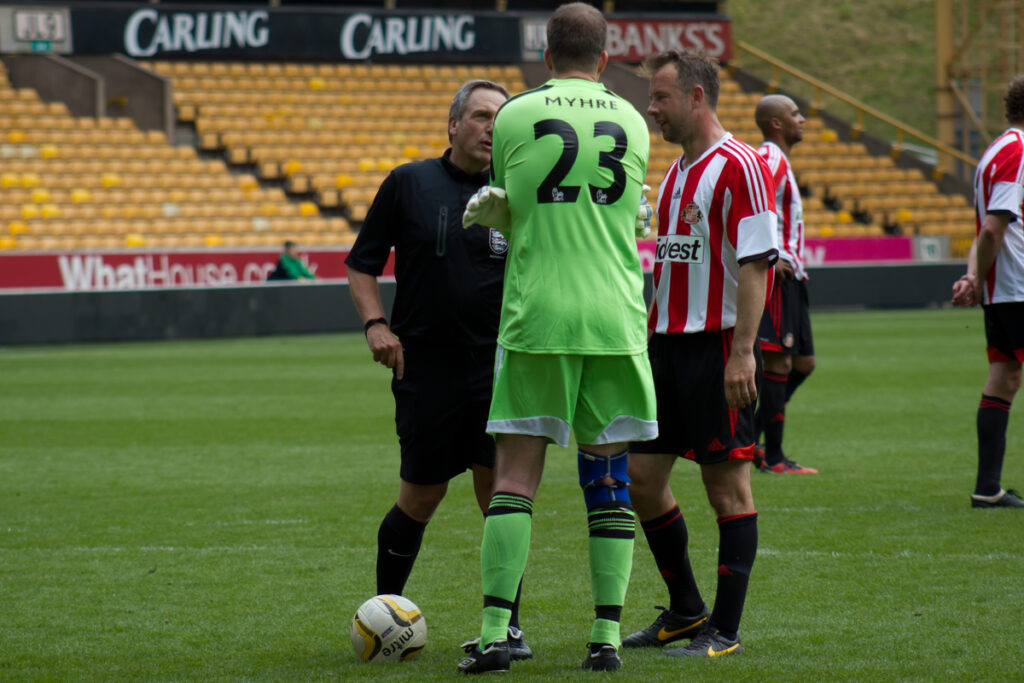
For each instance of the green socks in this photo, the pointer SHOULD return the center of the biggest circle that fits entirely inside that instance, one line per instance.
(503, 554)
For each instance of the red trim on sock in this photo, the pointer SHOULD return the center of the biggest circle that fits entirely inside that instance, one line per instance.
(775, 377)
(663, 524)
(729, 518)
(994, 402)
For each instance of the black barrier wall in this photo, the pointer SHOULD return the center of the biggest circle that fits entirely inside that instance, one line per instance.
(75, 317)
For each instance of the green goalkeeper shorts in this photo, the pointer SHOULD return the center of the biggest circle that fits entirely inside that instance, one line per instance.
(603, 399)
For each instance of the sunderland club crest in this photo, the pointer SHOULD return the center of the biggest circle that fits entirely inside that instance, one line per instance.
(691, 214)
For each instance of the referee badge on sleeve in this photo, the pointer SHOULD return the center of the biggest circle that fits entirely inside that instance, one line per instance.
(498, 243)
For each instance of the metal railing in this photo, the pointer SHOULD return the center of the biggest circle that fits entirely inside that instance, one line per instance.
(946, 154)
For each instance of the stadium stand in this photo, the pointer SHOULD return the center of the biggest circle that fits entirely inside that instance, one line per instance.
(298, 150)
(82, 182)
(327, 130)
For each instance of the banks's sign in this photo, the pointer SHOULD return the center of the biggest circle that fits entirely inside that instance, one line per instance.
(631, 40)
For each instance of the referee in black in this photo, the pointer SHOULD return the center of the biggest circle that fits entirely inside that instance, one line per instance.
(441, 338)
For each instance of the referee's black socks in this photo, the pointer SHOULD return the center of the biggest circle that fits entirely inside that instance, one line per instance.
(398, 544)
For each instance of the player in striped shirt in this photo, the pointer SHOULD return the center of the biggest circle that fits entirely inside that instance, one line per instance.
(717, 244)
(995, 279)
(785, 334)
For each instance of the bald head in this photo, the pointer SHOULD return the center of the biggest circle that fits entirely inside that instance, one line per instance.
(779, 119)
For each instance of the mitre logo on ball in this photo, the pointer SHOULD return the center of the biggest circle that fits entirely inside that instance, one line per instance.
(388, 628)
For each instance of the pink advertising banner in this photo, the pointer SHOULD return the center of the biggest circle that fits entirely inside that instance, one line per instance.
(83, 271)
(831, 251)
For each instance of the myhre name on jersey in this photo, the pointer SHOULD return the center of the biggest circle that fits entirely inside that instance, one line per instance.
(680, 249)
(580, 102)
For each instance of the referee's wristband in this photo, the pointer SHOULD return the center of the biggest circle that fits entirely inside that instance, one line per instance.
(371, 323)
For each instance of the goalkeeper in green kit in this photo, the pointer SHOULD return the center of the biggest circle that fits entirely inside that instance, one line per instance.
(567, 169)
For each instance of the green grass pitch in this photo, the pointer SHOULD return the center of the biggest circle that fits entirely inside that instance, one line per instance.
(208, 510)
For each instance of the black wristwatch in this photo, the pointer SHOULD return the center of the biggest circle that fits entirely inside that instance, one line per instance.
(371, 323)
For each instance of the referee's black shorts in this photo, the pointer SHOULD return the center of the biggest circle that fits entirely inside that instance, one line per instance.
(441, 406)
(786, 323)
(1004, 331)
(694, 419)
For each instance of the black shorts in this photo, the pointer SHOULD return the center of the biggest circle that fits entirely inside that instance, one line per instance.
(694, 420)
(1004, 331)
(786, 323)
(441, 406)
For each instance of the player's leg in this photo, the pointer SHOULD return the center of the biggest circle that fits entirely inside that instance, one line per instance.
(728, 490)
(483, 487)
(1002, 384)
(1004, 335)
(779, 367)
(650, 466)
(505, 546)
(803, 366)
(615, 404)
(769, 338)
(668, 538)
(530, 407)
(771, 413)
(803, 361)
(506, 542)
(478, 375)
(611, 529)
(724, 449)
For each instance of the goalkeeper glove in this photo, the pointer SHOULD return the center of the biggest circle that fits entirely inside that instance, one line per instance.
(488, 207)
(644, 214)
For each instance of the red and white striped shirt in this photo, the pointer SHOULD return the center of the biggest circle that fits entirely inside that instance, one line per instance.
(999, 186)
(713, 216)
(788, 207)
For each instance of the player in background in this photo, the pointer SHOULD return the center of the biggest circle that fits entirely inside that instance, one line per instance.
(570, 158)
(995, 279)
(787, 345)
(717, 244)
(440, 343)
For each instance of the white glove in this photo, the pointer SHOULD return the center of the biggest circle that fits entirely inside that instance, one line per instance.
(488, 207)
(644, 214)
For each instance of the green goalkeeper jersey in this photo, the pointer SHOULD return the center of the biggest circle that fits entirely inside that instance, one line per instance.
(572, 157)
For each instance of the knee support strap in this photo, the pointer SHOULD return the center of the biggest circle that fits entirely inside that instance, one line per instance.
(593, 469)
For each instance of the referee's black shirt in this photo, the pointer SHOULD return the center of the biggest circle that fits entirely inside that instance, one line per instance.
(448, 279)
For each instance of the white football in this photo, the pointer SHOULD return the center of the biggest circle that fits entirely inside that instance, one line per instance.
(388, 628)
